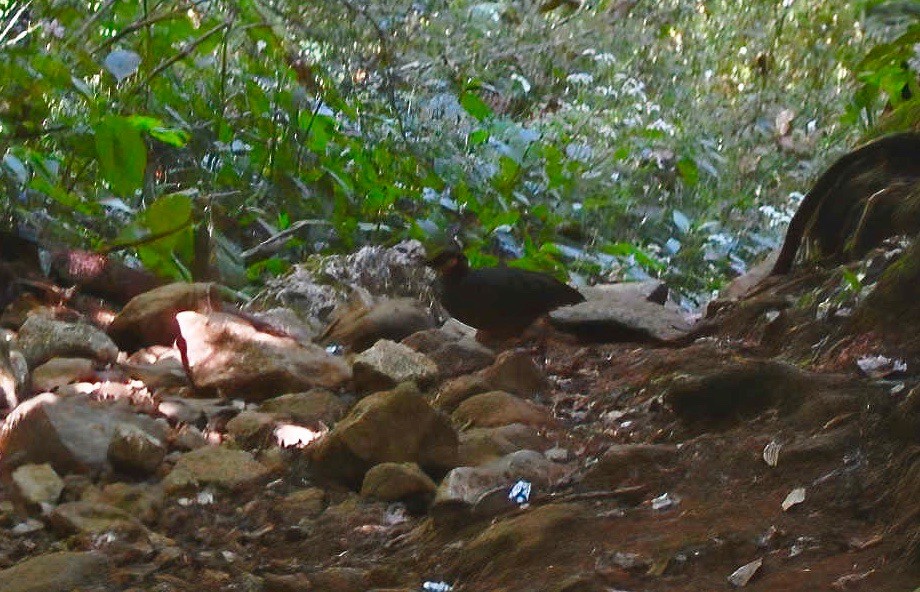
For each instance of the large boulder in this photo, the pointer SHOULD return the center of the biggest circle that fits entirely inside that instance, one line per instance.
(389, 426)
(72, 434)
(362, 323)
(388, 364)
(466, 485)
(55, 572)
(150, 318)
(393, 482)
(455, 352)
(43, 337)
(498, 408)
(621, 312)
(228, 355)
(309, 408)
(217, 466)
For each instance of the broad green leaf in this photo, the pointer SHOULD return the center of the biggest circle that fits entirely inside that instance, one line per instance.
(474, 105)
(478, 137)
(507, 175)
(688, 170)
(121, 153)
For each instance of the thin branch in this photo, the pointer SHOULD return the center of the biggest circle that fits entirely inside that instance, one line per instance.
(144, 240)
(136, 26)
(389, 87)
(81, 32)
(13, 21)
(179, 56)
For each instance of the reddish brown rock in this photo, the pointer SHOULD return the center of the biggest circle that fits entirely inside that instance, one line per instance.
(230, 356)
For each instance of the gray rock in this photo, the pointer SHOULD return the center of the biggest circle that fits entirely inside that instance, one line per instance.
(498, 408)
(362, 324)
(215, 465)
(37, 485)
(72, 434)
(92, 518)
(187, 438)
(481, 445)
(55, 572)
(57, 372)
(466, 486)
(251, 427)
(620, 312)
(194, 411)
(393, 482)
(134, 451)
(263, 365)
(515, 372)
(389, 426)
(42, 338)
(286, 321)
(149, 319)
(388, 364)
(315, 288)
(454, 352)
(309, 408)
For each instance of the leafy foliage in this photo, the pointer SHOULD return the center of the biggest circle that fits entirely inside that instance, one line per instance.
(626, 139)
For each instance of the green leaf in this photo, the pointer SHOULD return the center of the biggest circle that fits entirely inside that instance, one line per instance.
(852, 280)
(474, 105)
(171, 216)
(478, 137)
(272, 267)
(642, 257)
(155, 128)
(507, 176)
(689, 170)
(121, 153)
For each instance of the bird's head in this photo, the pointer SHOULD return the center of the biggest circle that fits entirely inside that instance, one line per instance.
(449, 261)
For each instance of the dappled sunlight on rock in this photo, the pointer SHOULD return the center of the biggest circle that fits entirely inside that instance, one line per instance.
(295, 436)
(228, 354)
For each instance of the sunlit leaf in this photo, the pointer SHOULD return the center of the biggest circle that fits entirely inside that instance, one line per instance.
(474, 105)
(122, 63)
(121, 153)
(688, 170)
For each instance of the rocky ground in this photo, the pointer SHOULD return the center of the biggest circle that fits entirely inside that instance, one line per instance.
(352, 445)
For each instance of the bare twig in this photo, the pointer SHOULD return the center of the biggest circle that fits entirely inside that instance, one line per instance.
(273, 244)
(144, 240)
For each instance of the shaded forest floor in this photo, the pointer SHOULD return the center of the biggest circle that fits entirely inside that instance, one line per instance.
(652, 468)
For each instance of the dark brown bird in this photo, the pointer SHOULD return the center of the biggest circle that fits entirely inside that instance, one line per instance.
(499, 301)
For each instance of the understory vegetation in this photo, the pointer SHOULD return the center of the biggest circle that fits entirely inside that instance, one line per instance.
(615, 138)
